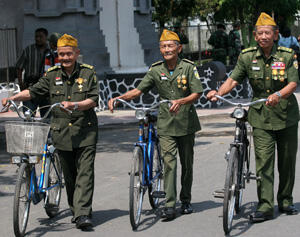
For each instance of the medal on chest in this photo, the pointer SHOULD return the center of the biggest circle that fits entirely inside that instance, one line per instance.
(80, 82)
(181, 82)
(278, 70)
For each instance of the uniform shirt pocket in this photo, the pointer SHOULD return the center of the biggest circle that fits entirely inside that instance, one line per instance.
(256, 79)
(57, 94)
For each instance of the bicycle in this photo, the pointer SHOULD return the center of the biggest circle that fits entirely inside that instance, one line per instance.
(27, 140)
(238, 164)
(147, 165)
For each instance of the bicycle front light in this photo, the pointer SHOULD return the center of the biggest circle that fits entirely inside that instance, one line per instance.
(238, 113)
(140, 114)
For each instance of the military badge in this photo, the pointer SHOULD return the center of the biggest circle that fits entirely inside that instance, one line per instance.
(80, 81)
(163, 76)
(278, 71)
(295, 64)
(254, 61)
(196, 73)
(58, 81)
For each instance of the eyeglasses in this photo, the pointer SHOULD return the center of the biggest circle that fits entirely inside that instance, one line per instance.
(170, 46)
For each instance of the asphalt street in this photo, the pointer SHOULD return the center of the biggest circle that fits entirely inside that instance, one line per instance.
(110, 206)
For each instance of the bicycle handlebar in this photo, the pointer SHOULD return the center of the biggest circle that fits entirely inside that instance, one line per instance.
(141, 108)
(11, 102)
(241, 104)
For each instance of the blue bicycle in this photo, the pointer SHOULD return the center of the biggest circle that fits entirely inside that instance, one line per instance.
(147, 165)
(29, 141)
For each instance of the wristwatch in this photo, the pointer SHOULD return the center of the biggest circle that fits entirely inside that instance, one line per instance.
(75, 106)
(278, 94)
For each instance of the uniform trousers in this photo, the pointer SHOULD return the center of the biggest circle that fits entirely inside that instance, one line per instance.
(286, 142)
(185, 146)
(78, 170)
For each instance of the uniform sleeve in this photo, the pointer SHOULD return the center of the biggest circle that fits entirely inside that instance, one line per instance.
(93, 92)
(147, 83)
(195, 82)
(292, 70)
(41, 88)
(239, 73)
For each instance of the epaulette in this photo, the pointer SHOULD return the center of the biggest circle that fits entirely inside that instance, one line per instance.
(53, 68)
(249, 49)
(188, 61)
(157, 63)
(285, 49)
(87, 66)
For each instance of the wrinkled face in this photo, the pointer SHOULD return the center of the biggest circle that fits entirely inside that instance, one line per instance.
(265, 36)
(169, 49)
(40, 38)
(67, 56)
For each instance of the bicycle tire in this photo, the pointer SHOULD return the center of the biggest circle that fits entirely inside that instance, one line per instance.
(22, 202)
(136, 190)
(157, 169)
(240, 179)
(230, 190)
(53, 195)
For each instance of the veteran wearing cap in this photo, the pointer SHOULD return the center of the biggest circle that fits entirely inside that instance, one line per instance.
(272, 73)
(176, 80)
(74, 135)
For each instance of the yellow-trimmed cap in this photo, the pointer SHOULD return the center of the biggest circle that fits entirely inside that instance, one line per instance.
(265, 20)
(67, 40)
(169, 35)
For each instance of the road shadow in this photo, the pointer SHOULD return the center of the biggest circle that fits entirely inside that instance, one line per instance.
(7, 183)
(205, 205)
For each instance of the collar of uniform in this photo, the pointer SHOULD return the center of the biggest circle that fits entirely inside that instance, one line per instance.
(74, 73)
(176, 70)
(259, 52)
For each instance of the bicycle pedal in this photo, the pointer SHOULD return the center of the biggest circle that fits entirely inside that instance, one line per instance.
(158, 194)
(254, 177)
(218, 194)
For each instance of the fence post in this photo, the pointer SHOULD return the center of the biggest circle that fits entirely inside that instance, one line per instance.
(199, 44)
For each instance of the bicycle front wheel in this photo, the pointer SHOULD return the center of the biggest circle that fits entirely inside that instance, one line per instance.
(21, 200)
(136, 190)
(230, 190)
(157, 174)
(53, 194)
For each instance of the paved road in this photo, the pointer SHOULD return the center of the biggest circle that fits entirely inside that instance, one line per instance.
(111, 197)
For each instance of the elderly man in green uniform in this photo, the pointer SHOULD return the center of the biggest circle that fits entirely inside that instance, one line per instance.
(75, 86)
(219, 41)
(272, 73)
(176, 80)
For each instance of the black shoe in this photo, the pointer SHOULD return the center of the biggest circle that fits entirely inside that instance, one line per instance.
(259, 216)
(186, 208)
(289, 210)
(73, 220)
(169, 213)
(83, 222)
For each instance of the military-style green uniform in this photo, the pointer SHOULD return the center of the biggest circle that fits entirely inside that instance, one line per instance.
(176, 131)
(74, 135)
(234, 49)
(272, 125)
(219, 41)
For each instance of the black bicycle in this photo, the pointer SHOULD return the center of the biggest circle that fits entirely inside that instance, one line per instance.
(238, 163)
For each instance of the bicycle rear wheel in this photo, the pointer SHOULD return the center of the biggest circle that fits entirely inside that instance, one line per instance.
(157, 174)
(136, 190)
(21, 200)
(230, 190)
(53, 195)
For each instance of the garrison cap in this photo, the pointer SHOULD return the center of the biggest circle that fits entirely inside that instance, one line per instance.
(67, 40)
(169, 35)
(265, 20)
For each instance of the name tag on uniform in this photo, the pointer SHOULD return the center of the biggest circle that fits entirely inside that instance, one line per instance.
(58, 83)
(255, 68)
(163, 78)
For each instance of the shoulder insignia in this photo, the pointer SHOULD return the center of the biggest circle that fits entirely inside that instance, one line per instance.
(53, 68)
(157, 63)
(249, 49)
(285, 49)
(188, 61)
(86, 65)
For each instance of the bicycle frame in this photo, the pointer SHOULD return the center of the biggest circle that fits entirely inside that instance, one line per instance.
(147, 148)
(37, 188)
